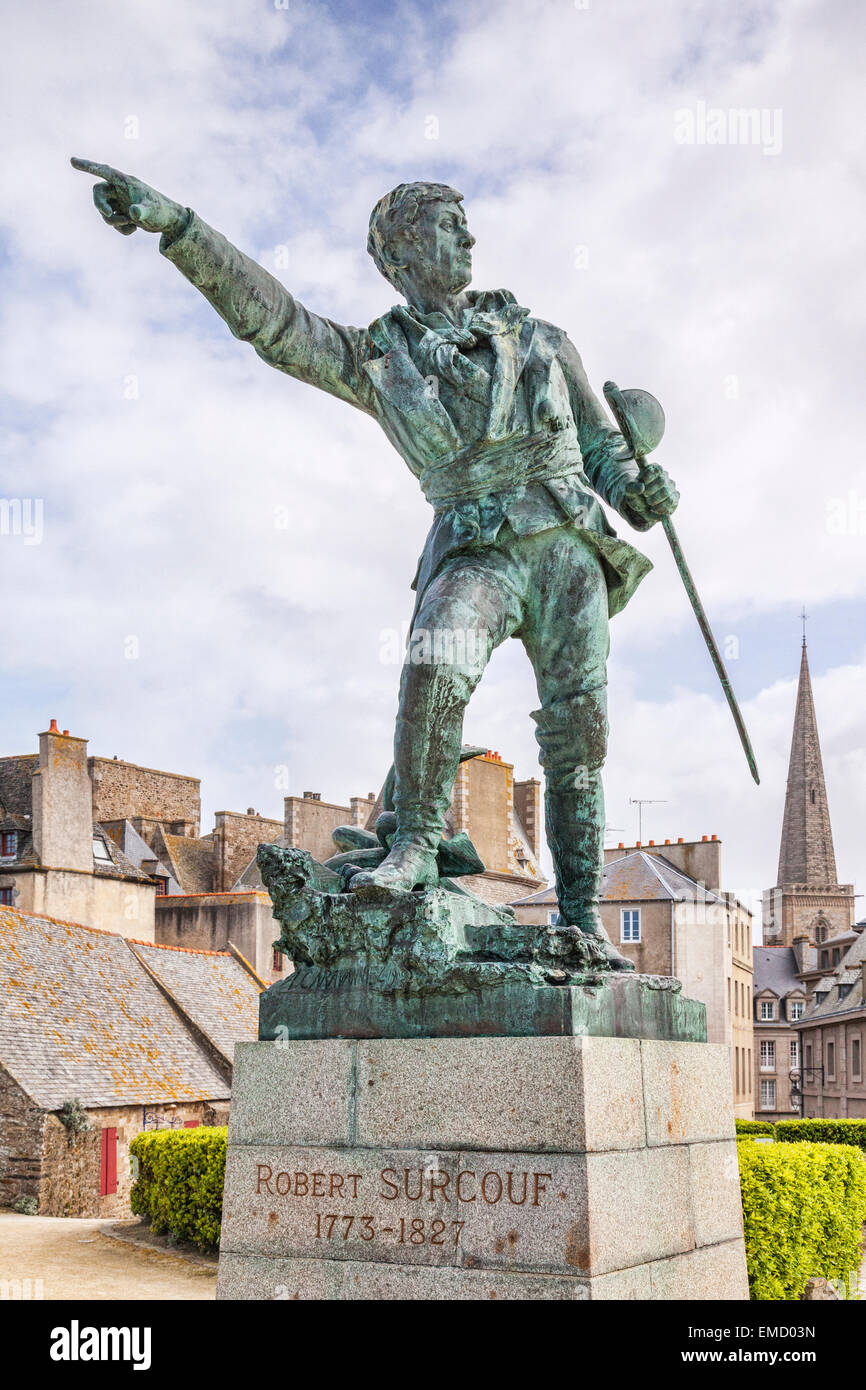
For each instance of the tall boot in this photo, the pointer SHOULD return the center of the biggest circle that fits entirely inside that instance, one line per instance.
(574, 821)
(426, 758)
(572, 736)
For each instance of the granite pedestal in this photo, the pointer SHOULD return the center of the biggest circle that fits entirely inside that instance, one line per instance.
(554, 1167)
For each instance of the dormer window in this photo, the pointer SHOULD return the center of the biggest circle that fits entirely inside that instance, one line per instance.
(767, 1009)
(795, 1008)
(100, 850)
(8, 844)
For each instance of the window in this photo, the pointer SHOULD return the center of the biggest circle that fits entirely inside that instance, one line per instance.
(794, 1054)
(795, 1008)
(749, 1055)
(831, 1061)
(630, 925)
(808, 1056)
(8, 844)
(553, 919)
(161, 887)
(768, 1095)
(108, 1163)
(277, 962)
(856, 1060)
(767, 1010)
(7, 897)
(768, 1056)
(100, 850)
(825, 960)
(837, 955)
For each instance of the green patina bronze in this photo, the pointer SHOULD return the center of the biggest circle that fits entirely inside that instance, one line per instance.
(492, 411)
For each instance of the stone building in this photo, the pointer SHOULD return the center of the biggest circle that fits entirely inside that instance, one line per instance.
(56, 855)
(119, 1035)
(114, 845)
(832, 1031)
(663, 906)
(808, 918)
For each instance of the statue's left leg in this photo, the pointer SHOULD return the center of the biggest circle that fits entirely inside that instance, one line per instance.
(566, 636)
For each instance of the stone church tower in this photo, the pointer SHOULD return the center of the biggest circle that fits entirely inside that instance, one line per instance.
(807, 900)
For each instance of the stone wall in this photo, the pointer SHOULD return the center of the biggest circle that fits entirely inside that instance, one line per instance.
(123, 791)
(70, 1168)
(237, 837)
(209, 921)
(309, 824)
(20, 1142)
(109, 904)
(16, 784)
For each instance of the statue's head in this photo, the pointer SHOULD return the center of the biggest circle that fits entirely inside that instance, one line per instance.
(418, 236)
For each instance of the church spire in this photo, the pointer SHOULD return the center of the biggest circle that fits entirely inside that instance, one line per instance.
(806, 854)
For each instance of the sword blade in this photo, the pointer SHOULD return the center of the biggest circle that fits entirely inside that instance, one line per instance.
(703, 624)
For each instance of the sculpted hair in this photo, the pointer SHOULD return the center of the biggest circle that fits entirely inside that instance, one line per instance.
(395, 214)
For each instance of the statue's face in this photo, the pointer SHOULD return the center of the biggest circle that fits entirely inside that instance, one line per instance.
(442, 249)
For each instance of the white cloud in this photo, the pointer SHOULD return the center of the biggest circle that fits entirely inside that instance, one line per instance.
(728, 281)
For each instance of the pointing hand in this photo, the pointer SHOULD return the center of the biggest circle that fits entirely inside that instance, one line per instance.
(125, 202)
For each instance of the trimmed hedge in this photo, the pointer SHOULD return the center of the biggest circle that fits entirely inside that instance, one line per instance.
(804, 1205)
(822, 1131)
(179, 1187)
(747, 1127)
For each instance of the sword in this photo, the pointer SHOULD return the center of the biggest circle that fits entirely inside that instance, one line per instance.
(642, 423)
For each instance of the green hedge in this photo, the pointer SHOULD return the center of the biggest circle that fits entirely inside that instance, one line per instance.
(179, 1187)
(747, 1127)
(822, 1131)
(803, 1209)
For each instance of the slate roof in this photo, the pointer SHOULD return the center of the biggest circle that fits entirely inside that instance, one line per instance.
(220, 996)
(80, 1018)
(848, 973)
(637, 877)
(775, 968)
(121, 866)
(189, 861)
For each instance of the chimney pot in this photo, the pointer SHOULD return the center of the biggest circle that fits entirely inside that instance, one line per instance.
(679, 840)
(667, 842)
(52, 728)
(714, 837)
(703, 839)
(637, 844)
(65, 733)
(620, 845)
(652, 842)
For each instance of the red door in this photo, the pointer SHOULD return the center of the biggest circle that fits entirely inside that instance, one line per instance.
(191, 1124)
(108, 1163)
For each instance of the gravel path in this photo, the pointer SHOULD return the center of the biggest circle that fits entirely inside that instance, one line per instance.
(73, 1260)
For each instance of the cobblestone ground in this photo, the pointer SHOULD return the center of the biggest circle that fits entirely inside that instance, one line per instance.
(73, 1260)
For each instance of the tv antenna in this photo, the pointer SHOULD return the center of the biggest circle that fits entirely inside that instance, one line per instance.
(640, 802)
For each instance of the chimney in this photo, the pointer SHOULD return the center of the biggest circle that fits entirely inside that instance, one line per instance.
(800, 947)
(63, 803)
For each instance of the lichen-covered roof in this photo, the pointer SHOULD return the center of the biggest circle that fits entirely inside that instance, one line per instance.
(644, 877)
(80, 1018)
(190, 861)
(212, 987)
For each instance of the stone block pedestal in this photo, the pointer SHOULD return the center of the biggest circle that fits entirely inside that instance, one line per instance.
(482, 1167)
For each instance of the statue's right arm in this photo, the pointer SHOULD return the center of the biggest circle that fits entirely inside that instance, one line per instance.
(256, 306)
(260, 310)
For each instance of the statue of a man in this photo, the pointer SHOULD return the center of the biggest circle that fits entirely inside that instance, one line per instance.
(492, 411)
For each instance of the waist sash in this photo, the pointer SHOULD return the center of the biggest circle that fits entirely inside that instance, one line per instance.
(498, 465)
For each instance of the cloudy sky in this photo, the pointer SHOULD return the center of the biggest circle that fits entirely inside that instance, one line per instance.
(168, 613)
